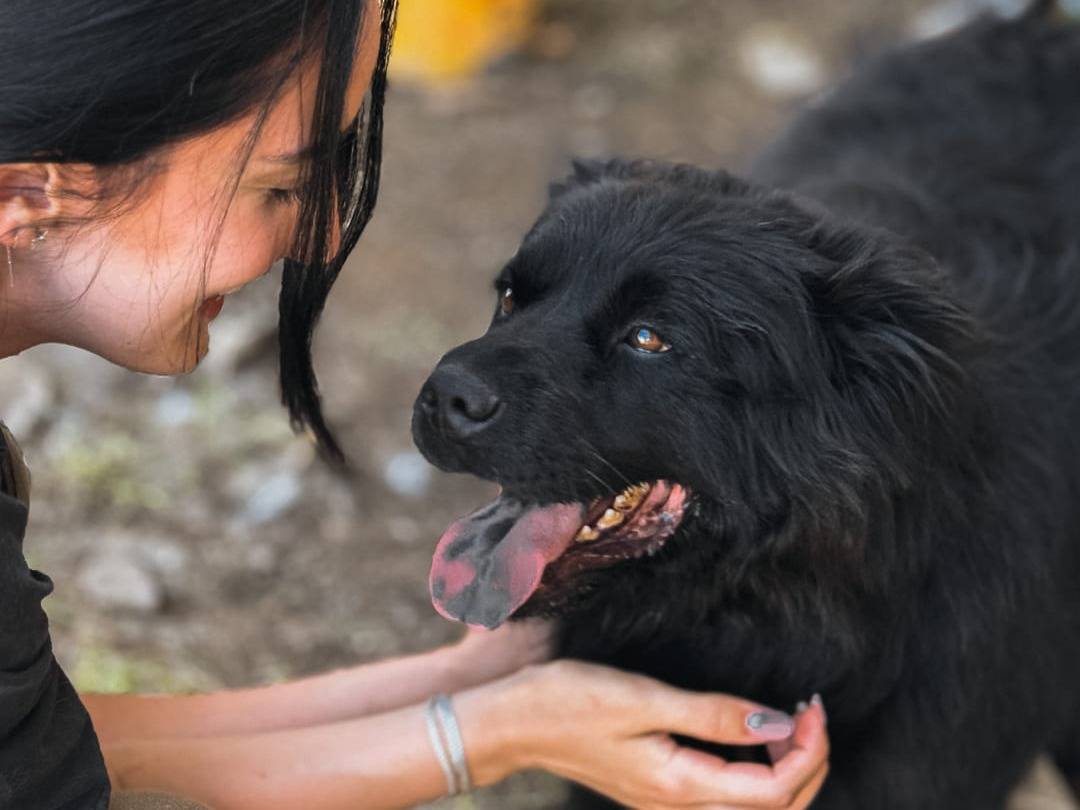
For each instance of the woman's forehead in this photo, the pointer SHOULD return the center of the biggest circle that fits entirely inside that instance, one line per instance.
(286, 131)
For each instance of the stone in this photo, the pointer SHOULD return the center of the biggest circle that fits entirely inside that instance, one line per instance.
(166, 557)
(272, 498)
(174, 408)
(116, 581)
(408, 474)
(404, 530)
(779, 65)
(28, 400)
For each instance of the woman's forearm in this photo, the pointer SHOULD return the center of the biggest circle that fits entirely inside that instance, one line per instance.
(317, 700)
(379, 761)
(320, 699)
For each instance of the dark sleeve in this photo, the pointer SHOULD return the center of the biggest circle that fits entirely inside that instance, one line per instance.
(49, 754)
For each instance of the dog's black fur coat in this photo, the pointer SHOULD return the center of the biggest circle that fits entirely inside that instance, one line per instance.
(873, 393)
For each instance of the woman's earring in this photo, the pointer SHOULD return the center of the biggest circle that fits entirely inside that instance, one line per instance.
(39, 237)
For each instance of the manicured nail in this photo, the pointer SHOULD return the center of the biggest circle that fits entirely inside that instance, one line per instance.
(770, 725)
(801, 707)
(816, 700)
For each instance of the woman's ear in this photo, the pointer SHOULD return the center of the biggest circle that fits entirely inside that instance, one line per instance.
(29, 197)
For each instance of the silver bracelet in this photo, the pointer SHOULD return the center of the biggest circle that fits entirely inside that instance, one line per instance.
(446, 725)
(435, 736)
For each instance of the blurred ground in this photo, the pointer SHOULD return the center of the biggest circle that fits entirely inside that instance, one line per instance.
(193, 541)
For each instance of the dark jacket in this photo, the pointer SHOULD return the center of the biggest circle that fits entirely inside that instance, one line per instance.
(49, 754)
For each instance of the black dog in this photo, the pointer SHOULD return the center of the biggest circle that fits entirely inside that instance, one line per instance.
(851, 385)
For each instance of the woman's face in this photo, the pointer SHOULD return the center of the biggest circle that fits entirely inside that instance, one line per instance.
(141, 289)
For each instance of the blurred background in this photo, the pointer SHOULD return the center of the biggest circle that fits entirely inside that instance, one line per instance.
(194, 541)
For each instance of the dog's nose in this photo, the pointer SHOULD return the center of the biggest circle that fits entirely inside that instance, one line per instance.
(459, 401)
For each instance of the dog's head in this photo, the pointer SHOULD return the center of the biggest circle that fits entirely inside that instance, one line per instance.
(673, 348)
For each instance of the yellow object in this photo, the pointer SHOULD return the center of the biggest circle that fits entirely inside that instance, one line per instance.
(440, 40)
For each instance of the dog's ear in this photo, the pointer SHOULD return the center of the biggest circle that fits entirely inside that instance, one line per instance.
(588, 172)
(898, 341)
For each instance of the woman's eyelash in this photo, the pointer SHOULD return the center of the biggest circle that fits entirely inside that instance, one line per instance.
(283, 196)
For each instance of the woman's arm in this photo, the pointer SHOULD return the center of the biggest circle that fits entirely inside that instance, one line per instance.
(329, 698)
(382, 761)
(604, 728)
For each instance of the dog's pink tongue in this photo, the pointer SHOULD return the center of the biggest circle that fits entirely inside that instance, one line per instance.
(488, 564)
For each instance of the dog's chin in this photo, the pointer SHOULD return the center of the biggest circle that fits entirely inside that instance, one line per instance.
(515, 556)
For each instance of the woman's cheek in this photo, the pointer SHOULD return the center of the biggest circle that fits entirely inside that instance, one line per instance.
(288, 220)
(258, 245)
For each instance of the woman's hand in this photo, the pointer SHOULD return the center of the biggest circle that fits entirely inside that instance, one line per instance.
(612, 732)
(491, 654)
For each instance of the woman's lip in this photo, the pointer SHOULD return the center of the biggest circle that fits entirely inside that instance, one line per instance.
(211, 307)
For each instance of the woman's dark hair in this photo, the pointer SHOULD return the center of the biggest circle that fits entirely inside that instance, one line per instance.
(112, 82)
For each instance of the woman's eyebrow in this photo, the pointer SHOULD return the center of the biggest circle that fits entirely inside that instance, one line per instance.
(300, 156)
(309, 151)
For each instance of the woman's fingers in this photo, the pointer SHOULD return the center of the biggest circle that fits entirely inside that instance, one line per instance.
(528, 634)
(809, 743)
(810, 790)
(780, 748)
(490, 654)
(615, 732)
(703, 779)
(718, 718)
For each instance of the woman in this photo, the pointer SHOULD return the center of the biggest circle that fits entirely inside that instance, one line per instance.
(155, 156)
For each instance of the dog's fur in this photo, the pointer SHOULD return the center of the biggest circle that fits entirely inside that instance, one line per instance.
(873, 394)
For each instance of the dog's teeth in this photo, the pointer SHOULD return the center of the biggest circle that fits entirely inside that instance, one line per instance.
(625, 502)
(587, 534)
(609, 519)
(635, 490)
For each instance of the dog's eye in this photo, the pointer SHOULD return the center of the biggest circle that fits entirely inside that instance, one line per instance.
(645, 339)
(506, 301)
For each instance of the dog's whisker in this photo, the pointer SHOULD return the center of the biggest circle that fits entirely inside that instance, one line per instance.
(603, 484)
(591, 448)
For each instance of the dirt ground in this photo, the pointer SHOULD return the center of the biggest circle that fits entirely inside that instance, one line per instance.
(195, 543)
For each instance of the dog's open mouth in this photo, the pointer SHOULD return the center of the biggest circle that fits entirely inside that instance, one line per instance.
(488, 564)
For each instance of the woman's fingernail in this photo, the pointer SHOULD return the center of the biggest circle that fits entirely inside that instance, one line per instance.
(801, 707)
(770, 725)
(816, 700)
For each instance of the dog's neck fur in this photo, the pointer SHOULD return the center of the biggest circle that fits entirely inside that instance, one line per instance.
(813, 604)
